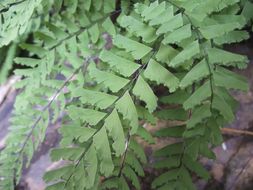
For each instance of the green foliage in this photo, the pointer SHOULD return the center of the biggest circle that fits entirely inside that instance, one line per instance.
(112, 72)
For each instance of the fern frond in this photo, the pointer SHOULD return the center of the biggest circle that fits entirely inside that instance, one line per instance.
(101, 67)
(12, 28)
(6, 62)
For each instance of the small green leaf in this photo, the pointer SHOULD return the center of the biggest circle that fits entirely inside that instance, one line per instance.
(115, 129)
(71, 132)
(30, 62)
(112, 81)
(56, 186)
(160, 75)
(90, 116)
(144, 114)
(137, 50)
(186, 180)
(138, 28)
(66, 153)
(172, 114)
(229, 80)
(202, 93)
(170, 150)
(109, 27)
(166, 53)
(95, 98)
(132, 161)
(90, 164)
(103, 150)
(58, 32)
(217, 30)
(223, 107)
(168, 163)
(57, 174)
(198, 115)
(232, 37)
(126, 107)
(94, 33)
(165, 177)
(196, 167)
(178, 35)
(35, 49)
(153, 10)
(172, 24)
(222, 57)
(138, 150)
(164, 17)
(189, 51)
(131, 175)
(176, 131)
(178, 97)
(144, 91)
(125, 68)
(198, 72)
(145, 135)
(109, 6)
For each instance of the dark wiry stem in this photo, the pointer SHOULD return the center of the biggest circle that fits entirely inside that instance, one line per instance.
(40, 118)
(124, 155)
(5, 9)
(57, 92)
(48, 105)
(199, 36)
(82, 29)
(129, 136)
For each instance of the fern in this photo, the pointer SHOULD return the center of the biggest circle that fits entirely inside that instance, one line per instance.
(112, 70)
(6, 62)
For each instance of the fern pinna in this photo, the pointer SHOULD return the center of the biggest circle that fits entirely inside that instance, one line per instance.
(112, 70)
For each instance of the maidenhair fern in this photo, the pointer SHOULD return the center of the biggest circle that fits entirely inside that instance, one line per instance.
(98, 64)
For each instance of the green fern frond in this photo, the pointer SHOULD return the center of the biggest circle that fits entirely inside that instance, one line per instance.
(101, 67)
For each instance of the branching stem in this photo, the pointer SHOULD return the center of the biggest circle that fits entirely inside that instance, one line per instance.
(56, 94)
(200, 37)
(129, 86)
